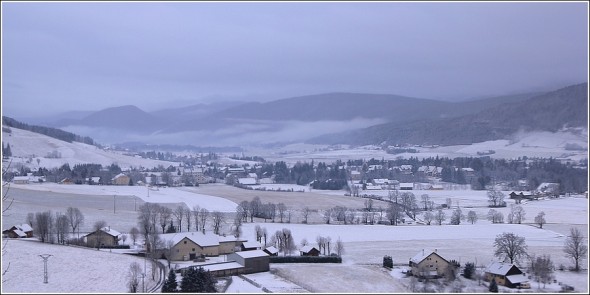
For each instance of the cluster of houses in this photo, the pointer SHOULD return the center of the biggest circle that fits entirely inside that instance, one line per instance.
(430, 264)
(244, 257)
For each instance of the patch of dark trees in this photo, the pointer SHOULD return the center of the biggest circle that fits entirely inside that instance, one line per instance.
(48, 131)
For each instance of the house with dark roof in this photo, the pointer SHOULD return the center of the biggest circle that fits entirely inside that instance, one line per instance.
(428, 264)
(505, 274)
(309, 251)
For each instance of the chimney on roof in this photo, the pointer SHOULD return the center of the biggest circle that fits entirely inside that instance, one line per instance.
(435, 250)
(422, 251)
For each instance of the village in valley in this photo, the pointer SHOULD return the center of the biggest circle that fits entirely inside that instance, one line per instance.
(229, 216)
(374, 147)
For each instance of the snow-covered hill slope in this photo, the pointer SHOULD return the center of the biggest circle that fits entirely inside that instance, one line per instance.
(29, 146)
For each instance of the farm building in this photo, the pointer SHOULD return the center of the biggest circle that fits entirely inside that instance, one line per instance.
(428, 264)
(406, 186)
(105, 236)
(309, 251)
(190, 245)
(19, 231)
(120, 179)
(253, 261)
(252, 245)
(505, 274)
(20, 180)
(272, 251)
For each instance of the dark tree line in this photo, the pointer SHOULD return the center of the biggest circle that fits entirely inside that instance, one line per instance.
(486, 171)
(51, 132)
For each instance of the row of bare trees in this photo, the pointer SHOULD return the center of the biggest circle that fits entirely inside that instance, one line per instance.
(272, 211)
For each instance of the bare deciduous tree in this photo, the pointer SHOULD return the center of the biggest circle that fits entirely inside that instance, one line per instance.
(217, 218)
(75, 219)
(133, 277)
(196, 213)
(134, 233)
(43, 225)
(428, 217)
(305, 214)
(440, 216)
(61, 227)
(540, 219)
(575, 248)
(204, 215)
(541, 268)
(510, 246)
(179, 214)
(282, 208)
(471, 216)
(164, 214)
(339, 247)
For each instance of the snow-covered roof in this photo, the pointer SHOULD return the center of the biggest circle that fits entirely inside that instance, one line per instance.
(251, 244)
(25, 227)
(499, 268)
(252, 253)
(422, 255)
(252, 175)
(406, 184)
(221, 266)
(272, 250)
(307, 248)
(247, 180)
(110, 231)
(119, 175)
(519, 278)
(20, 178)
(203, 240)
(19, 233)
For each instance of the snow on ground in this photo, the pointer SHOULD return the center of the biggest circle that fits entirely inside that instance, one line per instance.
(25, 144)
(365, 245)
(70, 269)
(530, 144)
(153, 195)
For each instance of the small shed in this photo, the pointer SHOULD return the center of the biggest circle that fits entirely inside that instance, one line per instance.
(406, 186)
(272, 251)
(20, 180)
(253, 261)
(250, 245)
(309, 251)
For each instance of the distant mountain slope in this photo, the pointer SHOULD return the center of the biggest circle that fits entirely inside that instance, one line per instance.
(125, 117)
(548, 112)
(338, 107)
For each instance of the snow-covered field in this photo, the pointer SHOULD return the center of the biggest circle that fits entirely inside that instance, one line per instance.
(530, 144)
(27, 145)
(365, 245)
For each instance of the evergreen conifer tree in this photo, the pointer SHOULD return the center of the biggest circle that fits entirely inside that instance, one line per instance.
(493, 286)
(170, 283)
(197, 280)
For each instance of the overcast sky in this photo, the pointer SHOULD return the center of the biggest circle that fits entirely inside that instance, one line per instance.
(88, 56)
